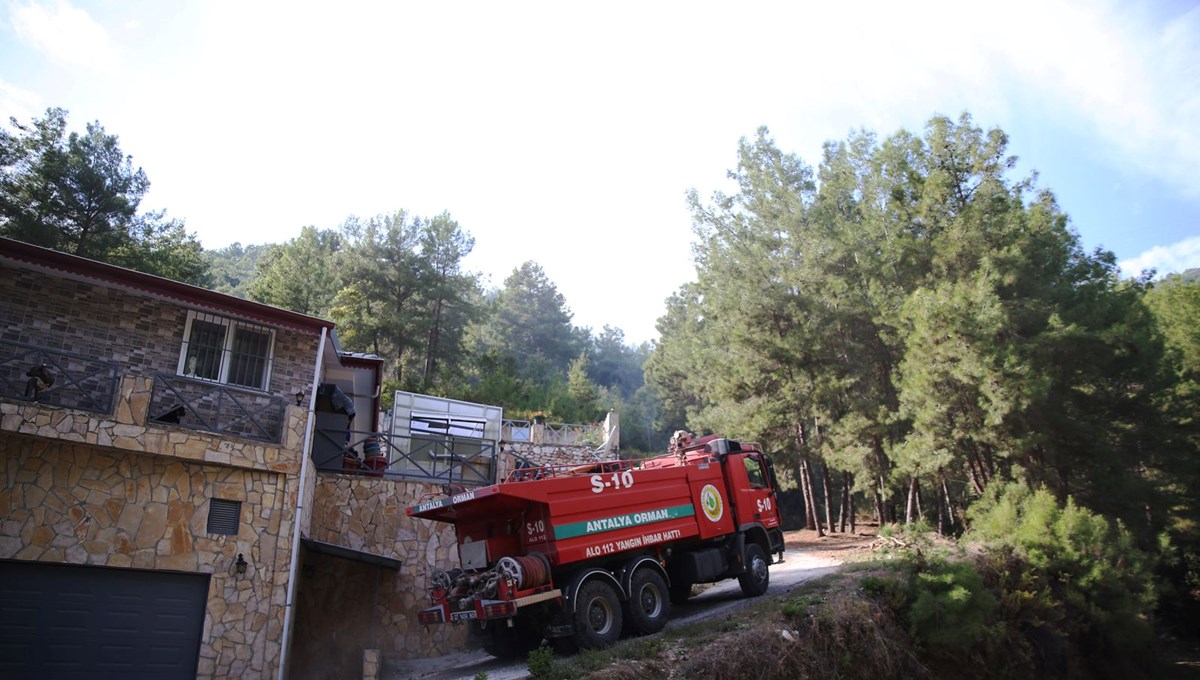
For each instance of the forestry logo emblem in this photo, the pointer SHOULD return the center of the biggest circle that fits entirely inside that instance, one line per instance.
(711, 503)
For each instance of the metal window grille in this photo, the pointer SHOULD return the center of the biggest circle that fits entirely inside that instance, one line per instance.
(249, 357)
(204, 347)
(227, 351)
(224, 516)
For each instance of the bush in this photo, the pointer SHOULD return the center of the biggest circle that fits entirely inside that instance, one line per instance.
(1063, 565)
(541, 663)
(950, 606)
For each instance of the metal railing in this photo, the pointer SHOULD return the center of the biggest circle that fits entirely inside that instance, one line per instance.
(526, 470)
(569, 434)
(554, 434)
(223, 409)
(462, 460)
(515, 430)
(69, 380)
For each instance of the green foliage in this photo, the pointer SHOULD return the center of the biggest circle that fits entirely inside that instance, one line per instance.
(79, 193)
(300, 275)
(532, 324)
(233, 267)
(1067, 558)
(402, 293)
(888, 587)
(950, 607)
(541, 663)
(910, 309)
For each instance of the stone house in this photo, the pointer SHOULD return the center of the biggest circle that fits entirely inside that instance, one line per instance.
(176, 498)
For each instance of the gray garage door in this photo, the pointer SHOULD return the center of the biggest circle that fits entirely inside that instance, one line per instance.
(69, 621)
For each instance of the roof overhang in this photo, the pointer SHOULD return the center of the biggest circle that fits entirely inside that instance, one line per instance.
(77, 267)
(350, 554)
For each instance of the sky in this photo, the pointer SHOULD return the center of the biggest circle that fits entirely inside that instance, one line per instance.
(569, 133)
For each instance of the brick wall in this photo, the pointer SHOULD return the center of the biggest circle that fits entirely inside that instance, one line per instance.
(142, 334)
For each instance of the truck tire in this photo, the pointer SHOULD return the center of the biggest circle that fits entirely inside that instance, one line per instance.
(597, 615)
(680, 593)
(649, 606)
(503, 642)
(757, 577)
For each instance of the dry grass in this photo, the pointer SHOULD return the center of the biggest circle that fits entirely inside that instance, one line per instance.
(825, 630)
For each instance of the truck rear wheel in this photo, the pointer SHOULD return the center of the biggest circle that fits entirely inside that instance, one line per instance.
(648, 606)
(757, 576)
(597, 615)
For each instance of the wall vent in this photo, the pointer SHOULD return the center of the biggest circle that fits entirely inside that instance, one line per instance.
(224, 517)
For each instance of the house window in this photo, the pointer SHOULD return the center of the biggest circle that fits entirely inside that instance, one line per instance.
(227, 351)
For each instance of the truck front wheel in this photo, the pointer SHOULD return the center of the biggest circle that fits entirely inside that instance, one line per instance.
(597, 615)
(648, 607)
(757, 577)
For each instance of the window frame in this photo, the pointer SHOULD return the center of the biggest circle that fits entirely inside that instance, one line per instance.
(752, 466)
(226, 351)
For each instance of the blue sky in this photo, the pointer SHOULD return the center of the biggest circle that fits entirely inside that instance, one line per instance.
(568, 133)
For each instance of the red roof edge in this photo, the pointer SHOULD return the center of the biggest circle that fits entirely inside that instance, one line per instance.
(150, 283)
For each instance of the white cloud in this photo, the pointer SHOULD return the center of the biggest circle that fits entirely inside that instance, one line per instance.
(65, 33)
(18, 103)
(1134, 78)
(1174, 258)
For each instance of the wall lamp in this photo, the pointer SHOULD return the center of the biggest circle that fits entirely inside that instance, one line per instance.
(241, 564)
(299, 398)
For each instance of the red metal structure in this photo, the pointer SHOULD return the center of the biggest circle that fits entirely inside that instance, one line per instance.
(581, 554)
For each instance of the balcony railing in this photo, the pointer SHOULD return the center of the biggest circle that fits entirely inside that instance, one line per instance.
(553, 434)
(516, 430)
(67, 380)
(223, 409)
(462, 460)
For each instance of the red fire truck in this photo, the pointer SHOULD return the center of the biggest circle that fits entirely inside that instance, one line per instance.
(581, 554)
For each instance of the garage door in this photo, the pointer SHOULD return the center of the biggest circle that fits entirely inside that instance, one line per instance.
(69, 621)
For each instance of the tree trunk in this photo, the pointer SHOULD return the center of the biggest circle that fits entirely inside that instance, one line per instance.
(889, 513)
(941, 517)
(850, 499)
(949, 503)
(912, 500)
(844, 505)
(431, 349)
(828, 498)
(975, 482)
(879, 517)
(989, 462)
(816, 521)
(807, 494)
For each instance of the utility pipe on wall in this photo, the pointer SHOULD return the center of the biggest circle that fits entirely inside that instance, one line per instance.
(289, 611)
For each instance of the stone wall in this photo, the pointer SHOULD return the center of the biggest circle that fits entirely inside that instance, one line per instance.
(346, 607)
(577, 445)
(83, 504)
(368, 514)
(79, 488)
